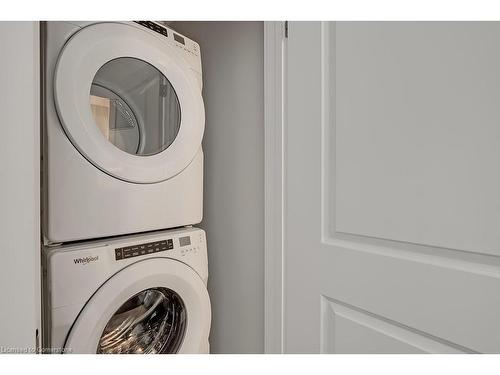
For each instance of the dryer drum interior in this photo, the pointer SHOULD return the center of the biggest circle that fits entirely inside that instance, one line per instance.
(135, 106)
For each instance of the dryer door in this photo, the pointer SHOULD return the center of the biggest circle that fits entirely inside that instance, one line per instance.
(129, 102)
(156, 305)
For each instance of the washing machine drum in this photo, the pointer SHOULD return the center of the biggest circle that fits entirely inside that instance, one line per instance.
(129, 102)
(166, 311)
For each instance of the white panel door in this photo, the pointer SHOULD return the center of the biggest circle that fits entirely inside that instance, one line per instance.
(392, 187)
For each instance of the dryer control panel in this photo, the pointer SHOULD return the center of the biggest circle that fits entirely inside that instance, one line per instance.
(189, 48)
(155, 26)
(180, 41)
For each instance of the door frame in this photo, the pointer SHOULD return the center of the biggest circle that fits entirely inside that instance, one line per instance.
(275, 35)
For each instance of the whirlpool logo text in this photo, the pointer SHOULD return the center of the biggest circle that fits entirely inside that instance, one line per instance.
(86, 260)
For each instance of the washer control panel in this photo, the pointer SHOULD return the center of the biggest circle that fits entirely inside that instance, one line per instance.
(143, 249)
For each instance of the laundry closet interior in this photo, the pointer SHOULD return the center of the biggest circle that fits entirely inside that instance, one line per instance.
(249, 187)
(151, 147)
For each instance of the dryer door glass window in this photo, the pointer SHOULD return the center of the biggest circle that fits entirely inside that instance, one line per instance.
(134, 106)
(152, 321)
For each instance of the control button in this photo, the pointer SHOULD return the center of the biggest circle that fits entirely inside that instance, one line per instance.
(118, 254)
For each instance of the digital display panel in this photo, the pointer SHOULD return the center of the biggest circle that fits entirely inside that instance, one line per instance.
(179, 38)
(185, 241)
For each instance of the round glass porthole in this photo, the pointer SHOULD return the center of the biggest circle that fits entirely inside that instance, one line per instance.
(152, 321)
(134, 106)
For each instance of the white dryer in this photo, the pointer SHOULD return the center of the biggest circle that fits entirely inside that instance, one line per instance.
(123, 125)
(136, 294)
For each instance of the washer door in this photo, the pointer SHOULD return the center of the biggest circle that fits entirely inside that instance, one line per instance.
(129, 102)
(156, 305)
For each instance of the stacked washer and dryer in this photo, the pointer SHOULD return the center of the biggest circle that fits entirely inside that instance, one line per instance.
(123, 121)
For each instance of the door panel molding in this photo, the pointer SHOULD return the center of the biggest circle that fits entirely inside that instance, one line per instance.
(442, 301)
(378, 334)
(472, 263)
(481, 263)
(415, 133)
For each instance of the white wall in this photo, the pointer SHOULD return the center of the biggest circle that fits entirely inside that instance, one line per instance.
(19, 185)
(233, 76)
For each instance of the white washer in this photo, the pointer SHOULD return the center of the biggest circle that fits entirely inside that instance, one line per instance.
(136, 294)
(123, 124)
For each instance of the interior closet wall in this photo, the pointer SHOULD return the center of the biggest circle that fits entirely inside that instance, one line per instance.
(19, 192)
(233, 76)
